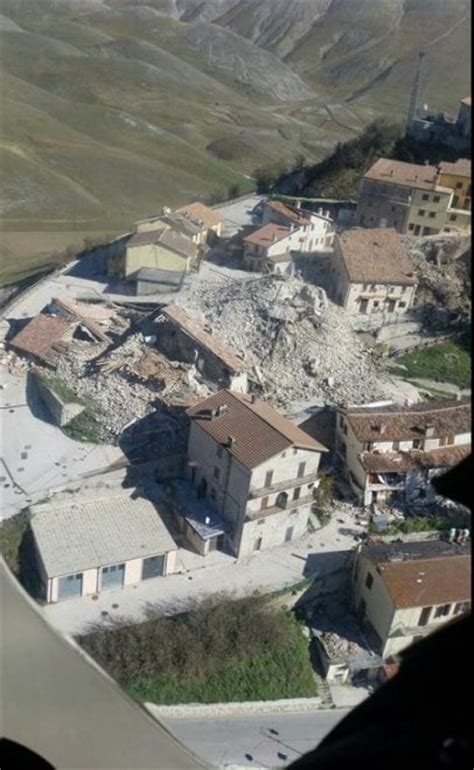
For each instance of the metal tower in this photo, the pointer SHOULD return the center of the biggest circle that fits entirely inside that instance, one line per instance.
(412, 109)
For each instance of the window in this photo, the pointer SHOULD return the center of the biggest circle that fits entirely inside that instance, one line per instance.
(295, 451)
(376, 303)
(213, 493)
(268, 478)
(343, 449)
(391, 289)
(425, 197)
(369, 580)
(455, 201)
(462, 607)
(421, 212)
(432, 214)
(264, 503)
(417, 230)
(411, 226)
(288, 534)
(216, 473)
(452, 217)
(418, 443)
(257, 544)
(402, 304)
(436, 199)
(367, 446)
(297, 493)
(442, 611)
(301, 469)
(220, 451)
(424, 616)
(458, 185)
(450, 438)
(468, 191)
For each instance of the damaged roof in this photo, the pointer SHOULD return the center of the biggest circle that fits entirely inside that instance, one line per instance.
(398, 462)
(395, 423)
(194, 329)
(424, 573)
(258, 430)
(40, 334)
(292, 213)
(376, 255)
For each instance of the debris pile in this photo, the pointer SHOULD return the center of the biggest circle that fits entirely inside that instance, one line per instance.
(299, 344)
(442, 265)
(336, 646)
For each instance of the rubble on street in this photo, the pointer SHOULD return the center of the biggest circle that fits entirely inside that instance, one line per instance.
(298, 344)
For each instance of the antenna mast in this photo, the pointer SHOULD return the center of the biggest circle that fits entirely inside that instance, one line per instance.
(413, 108)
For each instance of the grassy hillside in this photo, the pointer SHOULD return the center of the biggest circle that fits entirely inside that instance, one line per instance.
(114, 108)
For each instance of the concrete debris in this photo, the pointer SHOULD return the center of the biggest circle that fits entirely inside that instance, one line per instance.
(298, 345)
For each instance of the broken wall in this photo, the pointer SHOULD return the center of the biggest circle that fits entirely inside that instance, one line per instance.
(61, 411)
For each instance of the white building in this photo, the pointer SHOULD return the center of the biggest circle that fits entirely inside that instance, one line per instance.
(404, 591)
(316, 228)
(86, 545)
(372, 272)
(254, 469)
(392, 452)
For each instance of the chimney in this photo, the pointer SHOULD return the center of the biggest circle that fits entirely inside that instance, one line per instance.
(298, 204)
(320, 212)
(221, 409)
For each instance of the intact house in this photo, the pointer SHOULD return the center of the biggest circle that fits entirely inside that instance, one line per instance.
(416, 199)
(372, 272)
(316, 229)
(404, 591)
(390, 453)
(181, 337)
(252, 470)
(195, 221)
(87, 545)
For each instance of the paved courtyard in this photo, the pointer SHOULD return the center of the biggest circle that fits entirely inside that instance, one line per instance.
(317, 553)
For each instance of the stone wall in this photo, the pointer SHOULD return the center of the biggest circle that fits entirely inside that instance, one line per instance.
(61, 411)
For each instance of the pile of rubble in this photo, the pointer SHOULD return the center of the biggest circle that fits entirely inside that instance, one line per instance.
(129, 383)
(442, 265)
(299, 345)
(337, 646)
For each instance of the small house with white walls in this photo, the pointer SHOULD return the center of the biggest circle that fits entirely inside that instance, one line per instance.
(88, 544)
(252, 470)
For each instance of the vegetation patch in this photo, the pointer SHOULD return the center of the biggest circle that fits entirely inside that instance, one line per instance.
(439, 523)
(12, 532)
(237, 650)
(84, 427)
(448, 361)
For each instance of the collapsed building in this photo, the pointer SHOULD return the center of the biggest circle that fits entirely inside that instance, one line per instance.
(389, 454)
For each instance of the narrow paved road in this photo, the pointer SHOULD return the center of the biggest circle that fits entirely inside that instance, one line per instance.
(259, 740)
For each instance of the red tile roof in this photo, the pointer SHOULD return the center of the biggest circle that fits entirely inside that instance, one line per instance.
(259, 431)
(462, 167)
(198, 212)
(394, 423)
(399, 462)
(404, 174)
(428, 582)
(267, 235)
(41, 333)
(292, 213)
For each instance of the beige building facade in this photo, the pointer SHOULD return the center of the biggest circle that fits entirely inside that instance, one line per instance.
(254, 468)
(403, 592)
(372, 272)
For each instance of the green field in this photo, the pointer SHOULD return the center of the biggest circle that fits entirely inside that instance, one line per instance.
(236, 651)
(444, 362)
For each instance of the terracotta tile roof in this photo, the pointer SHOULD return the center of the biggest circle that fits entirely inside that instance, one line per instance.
(376, 255)
(428, 582)
(40, 335)
(83, 314)
(259, 431)
(394, 423)
(198, 211)
(292, 213)
(423, 574)
(165, 237)
(193, 328)
(267, 235)
(462, 167)
(404, 174)
(398, 462)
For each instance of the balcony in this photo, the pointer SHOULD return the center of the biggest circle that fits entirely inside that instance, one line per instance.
(281, 486)
(286, 505)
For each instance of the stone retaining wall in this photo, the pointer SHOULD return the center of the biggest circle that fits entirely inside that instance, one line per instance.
(61, 412)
